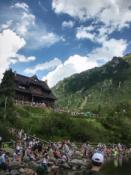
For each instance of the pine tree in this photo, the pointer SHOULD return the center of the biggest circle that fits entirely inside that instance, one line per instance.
(7, 93)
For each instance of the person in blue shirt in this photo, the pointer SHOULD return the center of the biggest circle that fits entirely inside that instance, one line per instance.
(3, 161)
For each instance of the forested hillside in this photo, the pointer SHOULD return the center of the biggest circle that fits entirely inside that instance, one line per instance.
(99, 89)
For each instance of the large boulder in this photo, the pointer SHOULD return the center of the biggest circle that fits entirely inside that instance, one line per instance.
(78, 162)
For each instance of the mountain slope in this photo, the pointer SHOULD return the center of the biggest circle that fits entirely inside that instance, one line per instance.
(99, 88)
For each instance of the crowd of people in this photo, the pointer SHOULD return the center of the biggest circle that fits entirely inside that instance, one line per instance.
(54, 154)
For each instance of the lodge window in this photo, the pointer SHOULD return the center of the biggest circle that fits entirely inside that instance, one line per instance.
(22, 87)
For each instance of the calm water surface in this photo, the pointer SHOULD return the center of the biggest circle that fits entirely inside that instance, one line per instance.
(118, 167)
(115, 167)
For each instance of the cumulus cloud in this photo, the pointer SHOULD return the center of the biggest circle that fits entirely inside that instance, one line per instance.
(76, 63)
(85, 33)
(44, 66)
(68, 24)
(35, 34)
(94, 33)
(21, 20)
(114, 13)
(19, 30)
(41, 38)
(21, 58)
(109, 49)
(22, 6)
(25, 31)
(10, 43)
(6, 25)
(26, 22)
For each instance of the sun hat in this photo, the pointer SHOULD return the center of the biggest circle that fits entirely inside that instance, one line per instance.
(98, 157)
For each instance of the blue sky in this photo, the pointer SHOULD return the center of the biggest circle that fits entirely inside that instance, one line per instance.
(57, 38)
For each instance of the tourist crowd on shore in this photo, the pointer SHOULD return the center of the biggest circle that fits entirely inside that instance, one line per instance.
(28, 151)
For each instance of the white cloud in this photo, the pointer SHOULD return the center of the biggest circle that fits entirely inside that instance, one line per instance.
(83, 9)
(39, 38)
(6, 25)
(10, 43)
(95, 33)
(50, 39)
(114, 13)
(85, 33)
(21, 20)
(109, 49)
(118, 14)
(77, 63)
(21, 30)
(44, 9)
(26, 22)
(68, 24)
(22, 6)
(22, 58)
(35, 34)
(44, 66)
(74, 64)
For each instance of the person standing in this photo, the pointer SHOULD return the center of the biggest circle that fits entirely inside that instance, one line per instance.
(97, 162)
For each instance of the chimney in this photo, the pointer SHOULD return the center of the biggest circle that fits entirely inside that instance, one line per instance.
(46, 81)
(15, 73)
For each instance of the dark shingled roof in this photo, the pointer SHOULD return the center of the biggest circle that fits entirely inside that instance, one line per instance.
(28, 81)
(31, 80)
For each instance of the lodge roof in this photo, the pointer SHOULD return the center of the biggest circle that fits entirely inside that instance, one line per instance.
(29, 81)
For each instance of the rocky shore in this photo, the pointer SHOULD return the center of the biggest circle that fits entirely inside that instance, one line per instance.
(29, 156)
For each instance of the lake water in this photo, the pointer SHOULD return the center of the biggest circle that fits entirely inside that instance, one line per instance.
(114, 167)
(118, 167)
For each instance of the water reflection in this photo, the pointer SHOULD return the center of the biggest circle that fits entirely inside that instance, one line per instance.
(65, 172)
(118, 166)
(118, 162)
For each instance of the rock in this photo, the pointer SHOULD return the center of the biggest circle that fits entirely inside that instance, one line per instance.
(74, 168)
(29, 171)
(2, 172)
(15, 172)
(15, 165)
(78, 164)
(54, 167)
(21, 170)
(65, 165)
(9, 150)
(26, 159)
(33, 165)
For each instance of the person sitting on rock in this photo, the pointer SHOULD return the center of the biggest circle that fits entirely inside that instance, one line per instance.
(97, 162)
(57, 154)
(4, 163)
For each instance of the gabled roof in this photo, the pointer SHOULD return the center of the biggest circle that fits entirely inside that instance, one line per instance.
(28, 81)
(23, 80)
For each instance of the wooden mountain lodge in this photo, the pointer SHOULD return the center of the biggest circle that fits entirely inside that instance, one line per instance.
(31, 90)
